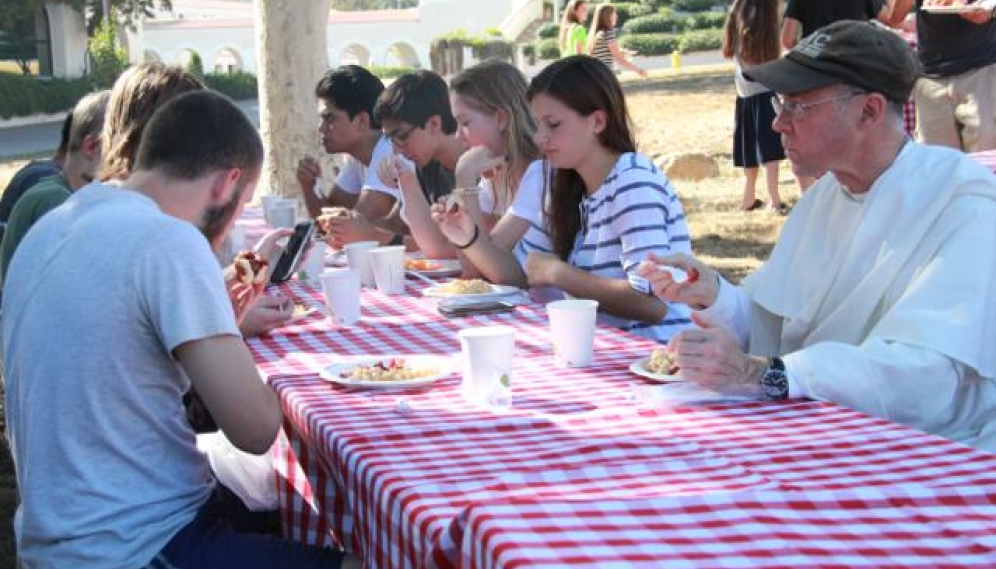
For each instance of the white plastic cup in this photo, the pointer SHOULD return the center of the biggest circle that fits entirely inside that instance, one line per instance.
(487, 354)
(388, 264)
(268, 202)
(234, 242)
(313, 266)
(342, 295)
(283, 215)
(572, 328)
(357, 257)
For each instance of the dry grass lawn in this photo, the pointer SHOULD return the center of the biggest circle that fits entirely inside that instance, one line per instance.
(690, 112)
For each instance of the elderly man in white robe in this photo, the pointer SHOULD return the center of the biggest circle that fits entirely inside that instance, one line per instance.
(880, 293)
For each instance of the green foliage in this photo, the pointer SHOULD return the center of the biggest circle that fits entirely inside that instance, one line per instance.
(701, 40)
(629, 10)
(489, 46)
(19, 45)
(704, 21)
(108, 59)
(548, 30)
(650, 44)
(196, 65)
(388, 72)
(695, 5)
(547, 49)
(238, 85)
(23, 96)
(652, 24)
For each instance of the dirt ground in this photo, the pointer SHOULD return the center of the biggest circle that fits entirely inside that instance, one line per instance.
(690, 112)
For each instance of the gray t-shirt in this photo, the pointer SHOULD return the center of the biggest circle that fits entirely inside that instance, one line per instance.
(98, 295)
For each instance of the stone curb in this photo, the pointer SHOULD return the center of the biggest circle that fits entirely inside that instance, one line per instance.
(31, 120)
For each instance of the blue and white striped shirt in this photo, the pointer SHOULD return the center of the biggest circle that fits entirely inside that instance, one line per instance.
(635, 212)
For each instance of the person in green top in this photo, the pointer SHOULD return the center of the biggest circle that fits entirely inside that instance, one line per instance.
(82, 160)
(573, 34)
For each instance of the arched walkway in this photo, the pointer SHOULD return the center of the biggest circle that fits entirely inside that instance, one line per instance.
(401, 55)
(228, 61)
(355, 54)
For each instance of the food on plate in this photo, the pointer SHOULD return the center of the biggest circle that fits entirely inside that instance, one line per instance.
(250, 268)
(464, 286)
(301, 310)
(661, 362)
(422, 265)
(395, 369)
(335, 212)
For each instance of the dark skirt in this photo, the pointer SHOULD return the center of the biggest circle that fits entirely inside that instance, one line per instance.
(754, 140)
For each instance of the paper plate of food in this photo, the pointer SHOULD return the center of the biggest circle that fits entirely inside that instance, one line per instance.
(658, 366)
(433, 267)
(470, 289)
(388, 372)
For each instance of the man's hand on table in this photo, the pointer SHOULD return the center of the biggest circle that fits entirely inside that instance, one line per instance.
(269, 312)
(243, 297)
(711, 357)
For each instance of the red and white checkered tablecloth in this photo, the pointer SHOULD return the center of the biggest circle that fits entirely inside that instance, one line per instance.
(398, 483)
(905, 526)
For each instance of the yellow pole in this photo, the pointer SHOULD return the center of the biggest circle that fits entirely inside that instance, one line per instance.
(676, 60)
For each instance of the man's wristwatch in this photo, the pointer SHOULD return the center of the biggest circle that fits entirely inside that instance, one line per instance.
(774, 382)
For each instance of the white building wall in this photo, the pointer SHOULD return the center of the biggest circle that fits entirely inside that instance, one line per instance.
(69, 40)
(210, 26)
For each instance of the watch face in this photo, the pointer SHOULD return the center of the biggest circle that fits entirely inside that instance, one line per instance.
(775, 384)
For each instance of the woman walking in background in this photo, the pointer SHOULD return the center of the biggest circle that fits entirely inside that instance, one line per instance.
(602, 44)
(573, 35)
(751, 37)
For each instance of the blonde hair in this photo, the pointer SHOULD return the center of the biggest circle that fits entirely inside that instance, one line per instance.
(136, 95)
(570, 17)
(494, 86)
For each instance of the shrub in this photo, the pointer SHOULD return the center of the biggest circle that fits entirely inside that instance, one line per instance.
(704, 21)
(701, 40)
(650, 44)
(629, 10)
(548, 30)
(547, 49)
(22, 95)
(196, 65)
(108, 59)
(652, 24)
(695, 5)
(389, 72)
(237, 85)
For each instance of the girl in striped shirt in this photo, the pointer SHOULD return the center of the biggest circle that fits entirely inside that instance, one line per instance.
(602, 44)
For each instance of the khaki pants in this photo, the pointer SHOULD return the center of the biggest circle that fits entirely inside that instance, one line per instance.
(958, 111)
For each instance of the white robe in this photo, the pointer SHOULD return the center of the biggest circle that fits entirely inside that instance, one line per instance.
(887, 305)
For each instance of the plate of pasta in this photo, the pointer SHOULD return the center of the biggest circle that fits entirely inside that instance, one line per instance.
(388, 372)
(476, 289)
(658, 366)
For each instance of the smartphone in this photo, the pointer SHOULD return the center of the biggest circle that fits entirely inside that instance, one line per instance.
(291, 256)
(454, 310)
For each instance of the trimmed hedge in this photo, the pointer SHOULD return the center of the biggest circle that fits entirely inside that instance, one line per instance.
(653, 24)
(548, 30)
(547, 49)
(238, 85)
(389, 72)
(650, 44)
(695, 5)
(626, 11)
(701, 40)
(22, 96)
(664, 22)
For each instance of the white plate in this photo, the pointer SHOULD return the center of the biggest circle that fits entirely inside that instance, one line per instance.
(442, 363)
(639, 367)
(954, 9)
(497, 291)
(442, 267)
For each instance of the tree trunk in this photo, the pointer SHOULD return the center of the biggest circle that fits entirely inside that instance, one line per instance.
(292, 55)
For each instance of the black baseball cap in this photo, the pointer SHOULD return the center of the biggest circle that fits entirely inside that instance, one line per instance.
(856, 53)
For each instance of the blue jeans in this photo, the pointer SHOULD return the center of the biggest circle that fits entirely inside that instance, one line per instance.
(226, 534)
